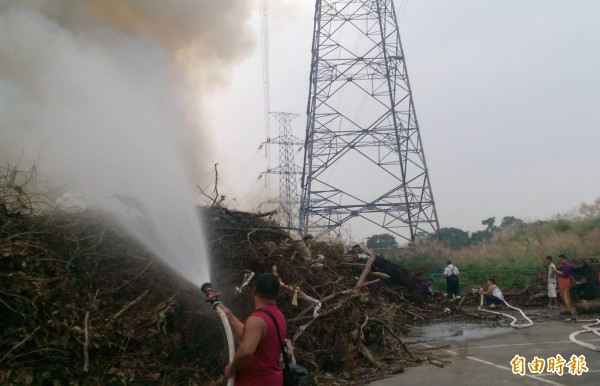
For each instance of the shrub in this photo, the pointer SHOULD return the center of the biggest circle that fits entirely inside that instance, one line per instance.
(562, 225)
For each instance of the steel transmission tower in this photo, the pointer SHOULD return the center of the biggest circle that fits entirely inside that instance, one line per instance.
(364, 158)
(287, 169)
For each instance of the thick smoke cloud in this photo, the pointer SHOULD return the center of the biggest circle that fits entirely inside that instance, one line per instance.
(105, 97)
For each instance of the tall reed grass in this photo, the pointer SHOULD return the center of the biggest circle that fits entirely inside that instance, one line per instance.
(514, 257)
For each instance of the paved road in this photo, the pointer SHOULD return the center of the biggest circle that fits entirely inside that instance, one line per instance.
(477, 361)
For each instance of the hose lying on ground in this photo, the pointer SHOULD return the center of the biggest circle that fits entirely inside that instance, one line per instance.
(587, 328)
(514, 323)
(572, 337)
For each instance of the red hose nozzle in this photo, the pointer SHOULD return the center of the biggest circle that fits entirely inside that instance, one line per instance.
(212, 296)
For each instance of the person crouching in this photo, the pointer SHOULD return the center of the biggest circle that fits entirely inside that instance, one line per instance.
(492, 295)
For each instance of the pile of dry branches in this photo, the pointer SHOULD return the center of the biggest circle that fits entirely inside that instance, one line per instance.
(81, 303)
(347, 311)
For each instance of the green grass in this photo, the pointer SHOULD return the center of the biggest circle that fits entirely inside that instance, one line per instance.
(510, 273)
(514, 257)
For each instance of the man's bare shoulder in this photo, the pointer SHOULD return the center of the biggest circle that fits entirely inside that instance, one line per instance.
(255, 320)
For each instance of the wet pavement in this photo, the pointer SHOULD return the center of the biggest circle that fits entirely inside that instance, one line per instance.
(481, 354)
(456, 332)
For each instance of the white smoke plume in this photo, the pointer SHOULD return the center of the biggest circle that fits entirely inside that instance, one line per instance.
(105, 96)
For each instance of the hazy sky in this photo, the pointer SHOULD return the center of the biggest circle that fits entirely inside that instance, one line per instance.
(506, 93)
(105, 97)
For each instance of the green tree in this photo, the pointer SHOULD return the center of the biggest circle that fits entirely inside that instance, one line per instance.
(511, 222)
(382, 241)
(489, 224)
(455, 238)
(479, 236)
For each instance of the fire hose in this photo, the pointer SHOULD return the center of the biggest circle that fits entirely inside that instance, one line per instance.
(212, 297)
(514, 323)
(587, 328)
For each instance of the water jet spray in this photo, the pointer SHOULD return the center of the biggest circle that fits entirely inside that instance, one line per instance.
(212, 297)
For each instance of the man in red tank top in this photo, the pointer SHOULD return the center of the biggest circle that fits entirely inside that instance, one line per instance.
(256, 361)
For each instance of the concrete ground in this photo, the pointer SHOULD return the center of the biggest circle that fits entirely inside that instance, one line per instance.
(483, 357)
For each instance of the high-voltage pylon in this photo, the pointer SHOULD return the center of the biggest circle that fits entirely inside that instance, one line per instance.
(287, 169)
(363, 157)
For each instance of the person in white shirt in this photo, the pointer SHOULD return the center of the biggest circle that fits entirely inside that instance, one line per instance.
(492, 295)
(452, 280)
(552, 298)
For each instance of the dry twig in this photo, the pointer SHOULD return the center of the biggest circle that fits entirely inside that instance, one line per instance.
(22, 342)
(86, 343)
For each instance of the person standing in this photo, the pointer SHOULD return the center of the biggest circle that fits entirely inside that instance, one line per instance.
(452, 281)
(564, 283)
(492, 295)
(552, 299)
(256, 361)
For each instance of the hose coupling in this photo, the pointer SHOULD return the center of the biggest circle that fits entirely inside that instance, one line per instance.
(212, 296)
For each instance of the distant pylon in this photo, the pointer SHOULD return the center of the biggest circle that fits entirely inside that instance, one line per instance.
(287, 169)
(364, 158)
